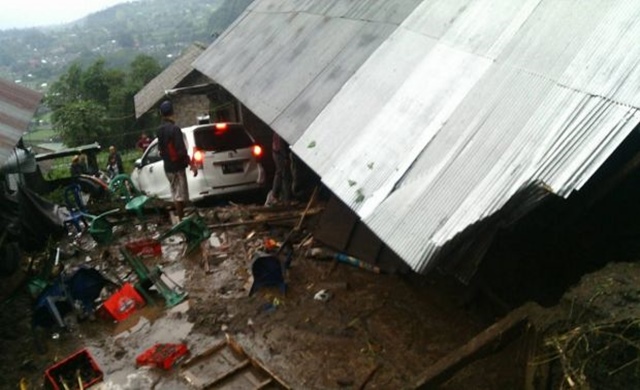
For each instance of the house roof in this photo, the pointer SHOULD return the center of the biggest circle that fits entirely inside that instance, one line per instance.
(434, 119)
(168, 79)
(17, 106)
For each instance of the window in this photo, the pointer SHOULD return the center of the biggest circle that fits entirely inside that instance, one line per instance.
(153, 155)
(231, 137)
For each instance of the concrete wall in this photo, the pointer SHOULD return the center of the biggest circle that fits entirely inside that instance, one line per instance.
(187, 108)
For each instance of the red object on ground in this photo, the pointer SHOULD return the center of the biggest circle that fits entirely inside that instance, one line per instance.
(162, 355)
(68, 369)
(123, 302)
(146, 247)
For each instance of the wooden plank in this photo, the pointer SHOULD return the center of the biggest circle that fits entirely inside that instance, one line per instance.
(236, 360)
(277, 218)
(492, 338)
(205, 354)
(264, 383)
(234, 370)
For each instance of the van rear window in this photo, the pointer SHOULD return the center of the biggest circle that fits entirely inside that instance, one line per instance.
(212, 139)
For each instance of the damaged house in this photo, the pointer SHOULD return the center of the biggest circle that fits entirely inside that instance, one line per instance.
(194, 95)
(436, 123)
(17, 107)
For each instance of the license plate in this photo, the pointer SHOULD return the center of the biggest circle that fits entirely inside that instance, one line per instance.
(228, 168)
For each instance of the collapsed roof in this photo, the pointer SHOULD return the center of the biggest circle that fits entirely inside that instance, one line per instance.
(17, 106)
(431, 118)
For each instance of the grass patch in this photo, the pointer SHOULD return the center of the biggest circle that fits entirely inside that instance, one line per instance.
(41, 135)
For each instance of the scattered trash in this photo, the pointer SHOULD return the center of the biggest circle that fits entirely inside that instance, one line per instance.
(323, 253)
(268, 307)
(343, 258)
(214, 240)
(322, 295)
(164, 356)
(77, 371)
(270, 244)
(145, 247)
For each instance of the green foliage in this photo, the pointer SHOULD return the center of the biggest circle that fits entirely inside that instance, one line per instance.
(97, 104)
(143, 69)
(80, 122)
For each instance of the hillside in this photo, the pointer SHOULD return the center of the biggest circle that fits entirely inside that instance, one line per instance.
(37, 56)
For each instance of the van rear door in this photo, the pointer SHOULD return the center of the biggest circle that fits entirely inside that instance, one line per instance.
(228, 158)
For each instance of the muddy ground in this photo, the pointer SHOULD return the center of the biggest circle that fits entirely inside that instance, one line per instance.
(370, 330)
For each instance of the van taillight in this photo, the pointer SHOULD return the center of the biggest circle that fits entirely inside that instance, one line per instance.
(198, 156)
(220, 128)
(257, 150)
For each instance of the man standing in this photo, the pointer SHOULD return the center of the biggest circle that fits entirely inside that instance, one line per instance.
(115, 156)
(143, 142)
(175, 157)
(281, 189)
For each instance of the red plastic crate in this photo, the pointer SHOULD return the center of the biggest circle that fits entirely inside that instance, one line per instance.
(162, 355)
(146, 247)
(80, 362)
(123, 302)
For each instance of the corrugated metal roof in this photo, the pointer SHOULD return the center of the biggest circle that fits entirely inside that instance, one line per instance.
(447, 114)
(17, 106)
(168, 79)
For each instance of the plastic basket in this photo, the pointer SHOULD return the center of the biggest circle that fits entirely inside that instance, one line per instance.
(123, 302)
(164, 356)
(145, 248)
(80, 364)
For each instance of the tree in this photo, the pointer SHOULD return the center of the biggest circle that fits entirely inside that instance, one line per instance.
(143, 69)
(95, 84)
(96, 104)
(81, 122)
(66, 90)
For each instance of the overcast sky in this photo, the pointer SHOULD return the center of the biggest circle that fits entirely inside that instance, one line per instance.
(33, 13)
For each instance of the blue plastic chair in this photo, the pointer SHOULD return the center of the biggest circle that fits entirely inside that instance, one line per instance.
(267, 271)
(75, 206)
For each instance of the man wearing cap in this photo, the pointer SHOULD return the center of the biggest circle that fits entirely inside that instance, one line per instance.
(175, 157)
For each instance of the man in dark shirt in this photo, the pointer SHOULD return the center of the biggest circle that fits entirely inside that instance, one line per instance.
(281, 189)
(175, 157)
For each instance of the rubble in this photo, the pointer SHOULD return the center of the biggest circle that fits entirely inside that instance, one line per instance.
(366, 331)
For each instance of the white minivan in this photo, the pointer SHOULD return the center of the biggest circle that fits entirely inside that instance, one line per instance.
(226, 155)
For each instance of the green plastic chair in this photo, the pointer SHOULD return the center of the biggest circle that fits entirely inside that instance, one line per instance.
(100, 228)
(122, 187)
(194, 230)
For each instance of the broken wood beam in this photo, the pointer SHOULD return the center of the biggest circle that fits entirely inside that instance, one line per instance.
(232, 371)
(208, 352)
(494, 337)
(368, 377)
(277, 218)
